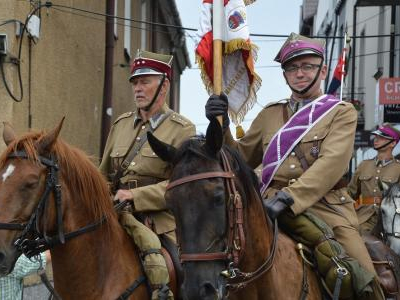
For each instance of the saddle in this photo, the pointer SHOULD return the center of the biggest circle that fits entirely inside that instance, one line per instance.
(386, 263)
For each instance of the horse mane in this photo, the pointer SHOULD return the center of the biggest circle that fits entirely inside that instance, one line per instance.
(244, 173)
(79, 172)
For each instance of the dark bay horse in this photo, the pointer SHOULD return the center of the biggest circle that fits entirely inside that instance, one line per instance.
(53, 196)
(227, 246)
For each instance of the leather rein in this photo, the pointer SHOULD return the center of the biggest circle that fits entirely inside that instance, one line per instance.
(33, 241)
(235, 248)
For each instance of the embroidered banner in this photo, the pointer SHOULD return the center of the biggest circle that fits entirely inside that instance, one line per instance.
(283, 142)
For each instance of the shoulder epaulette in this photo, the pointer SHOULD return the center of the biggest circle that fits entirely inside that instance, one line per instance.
(180, 119)
(123, 116)
(282, 101)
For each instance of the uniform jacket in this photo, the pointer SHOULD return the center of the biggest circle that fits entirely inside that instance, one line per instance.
(169, 127)
(365, 180)
(333, 137)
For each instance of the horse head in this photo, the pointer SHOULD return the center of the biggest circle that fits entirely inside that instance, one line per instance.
(205, 208)
(21, 185)
(390, 215)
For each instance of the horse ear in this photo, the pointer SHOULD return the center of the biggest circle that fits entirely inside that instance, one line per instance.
(214, 136)
(8, 133)
(164, 151)
(47, 142)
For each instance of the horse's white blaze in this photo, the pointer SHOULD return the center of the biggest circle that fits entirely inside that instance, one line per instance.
(8, 172)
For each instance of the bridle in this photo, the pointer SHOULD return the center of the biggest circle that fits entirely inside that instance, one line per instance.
(236, 241)
(33, 241)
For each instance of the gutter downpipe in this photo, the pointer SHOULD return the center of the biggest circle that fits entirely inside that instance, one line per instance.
(353, 59)
(392, 41)
(108, 75)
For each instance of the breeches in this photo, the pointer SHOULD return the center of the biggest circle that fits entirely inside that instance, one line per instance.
(352, 242)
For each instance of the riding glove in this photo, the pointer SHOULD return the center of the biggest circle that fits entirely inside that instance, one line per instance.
(217, 105)
(277, 204)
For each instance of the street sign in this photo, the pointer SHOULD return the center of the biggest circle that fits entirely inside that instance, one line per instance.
(389, 90)
(391, 113)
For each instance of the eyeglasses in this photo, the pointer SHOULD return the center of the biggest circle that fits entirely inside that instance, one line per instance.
(305, 68)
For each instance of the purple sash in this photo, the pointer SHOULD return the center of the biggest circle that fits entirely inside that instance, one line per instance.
(283, 142)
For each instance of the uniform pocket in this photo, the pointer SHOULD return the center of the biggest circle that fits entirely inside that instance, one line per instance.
(389, 179)
(117, 155)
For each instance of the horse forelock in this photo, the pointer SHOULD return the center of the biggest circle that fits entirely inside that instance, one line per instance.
(79, 174)
(195, 147)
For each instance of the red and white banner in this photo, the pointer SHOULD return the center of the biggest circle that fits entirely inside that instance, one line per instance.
(239, 80)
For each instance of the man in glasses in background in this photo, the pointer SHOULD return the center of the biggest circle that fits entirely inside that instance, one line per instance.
(305, 144)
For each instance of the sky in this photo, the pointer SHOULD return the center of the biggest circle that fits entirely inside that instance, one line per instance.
(263, 17)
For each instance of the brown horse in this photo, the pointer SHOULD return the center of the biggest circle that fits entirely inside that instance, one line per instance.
(53, 196)
(227, 245)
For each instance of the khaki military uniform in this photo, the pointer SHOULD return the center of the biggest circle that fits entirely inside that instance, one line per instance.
(147, 174)
(328, 147)
(364, 188)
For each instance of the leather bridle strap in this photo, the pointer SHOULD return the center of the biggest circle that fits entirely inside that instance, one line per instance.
(199, 176)
(204, 256)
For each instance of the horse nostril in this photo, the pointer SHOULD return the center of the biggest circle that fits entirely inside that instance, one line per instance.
(208, 291)
(2, 257)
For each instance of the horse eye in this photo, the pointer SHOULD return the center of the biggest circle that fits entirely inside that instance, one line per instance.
(30, 185)
(219, 198)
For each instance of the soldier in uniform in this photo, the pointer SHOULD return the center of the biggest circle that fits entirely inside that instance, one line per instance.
(363, 186)
(137, 173)
(304, 171)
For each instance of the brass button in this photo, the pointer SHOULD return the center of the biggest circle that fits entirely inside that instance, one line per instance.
(291, 181)
(292, 166)
(293, 154)
(376, 177)
(374, 190)
(343, 198)
(143, 126)
(315, 137)
(133, 163)
(138, 138)
(378, 171)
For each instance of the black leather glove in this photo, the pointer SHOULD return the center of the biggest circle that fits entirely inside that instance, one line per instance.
(218, 106)
(277, 204)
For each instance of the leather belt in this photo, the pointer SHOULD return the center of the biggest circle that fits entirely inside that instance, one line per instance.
(368, 201)
(278, 184)
(139, 182)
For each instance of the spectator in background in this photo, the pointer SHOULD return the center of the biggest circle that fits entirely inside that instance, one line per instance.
(11, 286)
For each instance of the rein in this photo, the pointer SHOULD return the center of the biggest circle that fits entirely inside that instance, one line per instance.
(236, 238)
(40, 241)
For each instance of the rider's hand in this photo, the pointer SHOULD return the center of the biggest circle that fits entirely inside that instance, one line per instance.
(123, 195)
(277, 204)
(217, 105)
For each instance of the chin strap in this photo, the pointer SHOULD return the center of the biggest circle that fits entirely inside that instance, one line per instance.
(147, 108)
(306, 89)
(384, 145)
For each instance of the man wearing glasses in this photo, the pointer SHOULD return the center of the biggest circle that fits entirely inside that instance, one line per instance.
(305, 144)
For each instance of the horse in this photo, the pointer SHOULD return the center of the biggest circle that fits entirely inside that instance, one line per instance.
(228, 247)
(390, 216)
(53, 197)
(383, 243)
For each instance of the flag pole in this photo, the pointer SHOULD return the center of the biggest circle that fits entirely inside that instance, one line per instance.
(218, 10)
(346, 43)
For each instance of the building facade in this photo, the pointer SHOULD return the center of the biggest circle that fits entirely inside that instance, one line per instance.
(374, 28)
(65, 67)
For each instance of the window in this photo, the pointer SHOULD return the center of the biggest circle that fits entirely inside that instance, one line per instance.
(127, 29)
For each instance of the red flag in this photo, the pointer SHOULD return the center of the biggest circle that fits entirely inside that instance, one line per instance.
(339, 73)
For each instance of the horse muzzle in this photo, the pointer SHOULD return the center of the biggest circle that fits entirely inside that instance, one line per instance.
(7, 261)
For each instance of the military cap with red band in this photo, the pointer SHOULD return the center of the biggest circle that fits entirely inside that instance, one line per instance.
(149, 63)
(388, 131)
(297, 45)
